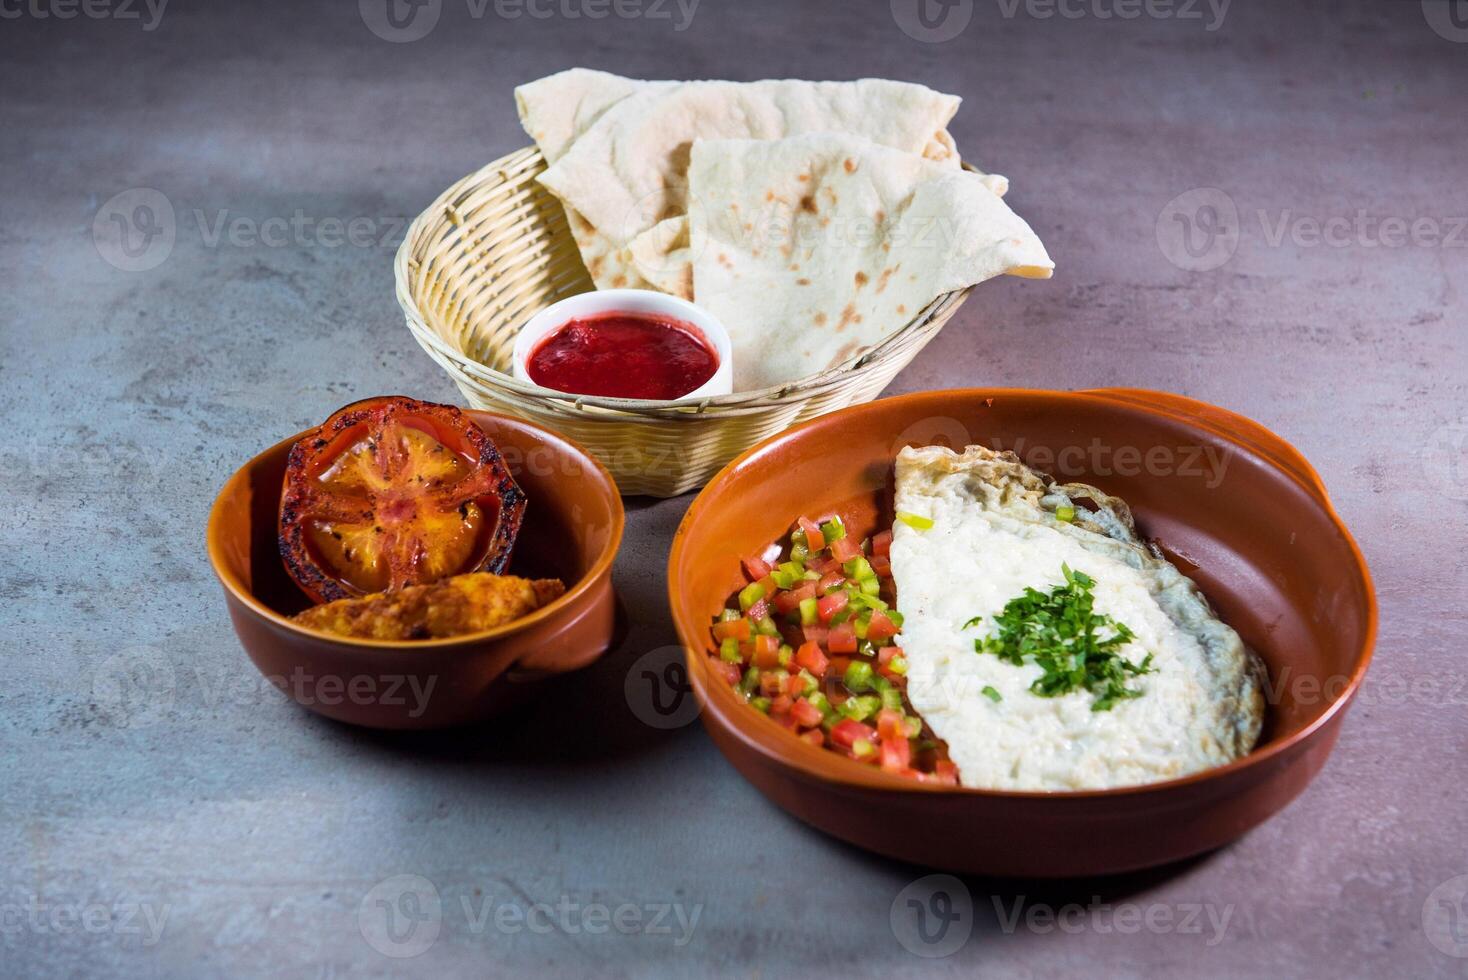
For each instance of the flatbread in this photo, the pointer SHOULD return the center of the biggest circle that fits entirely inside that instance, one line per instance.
(619, 150)
(823, 245)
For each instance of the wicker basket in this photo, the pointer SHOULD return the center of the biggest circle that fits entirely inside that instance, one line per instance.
(495, 248)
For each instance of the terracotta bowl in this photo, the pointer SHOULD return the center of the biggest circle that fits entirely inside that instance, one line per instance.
(572, 529)
(1230, 503)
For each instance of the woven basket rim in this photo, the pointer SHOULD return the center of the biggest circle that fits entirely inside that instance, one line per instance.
(738, 403)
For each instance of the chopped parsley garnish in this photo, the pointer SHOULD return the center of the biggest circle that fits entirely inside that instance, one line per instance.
(992, 694)
(1063, 635)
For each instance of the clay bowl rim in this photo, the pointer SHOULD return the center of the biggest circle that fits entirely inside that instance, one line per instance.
(214, 534)
(824, 766)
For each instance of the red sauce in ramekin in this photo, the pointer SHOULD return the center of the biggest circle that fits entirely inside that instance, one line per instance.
(624, 355)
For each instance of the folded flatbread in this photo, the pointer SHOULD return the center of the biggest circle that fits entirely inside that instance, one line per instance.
(619, 151)
(822, 245)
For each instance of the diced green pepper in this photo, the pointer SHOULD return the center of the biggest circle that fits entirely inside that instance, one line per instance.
(767, 626)
(750, 594)
(858, 676)
(898, 666)
(729, 651)
(859, 568)
(729, 615)
(749, 681)
(871, 586)
(834, 530)
(820, 702)
(785, 578)
(760, 704)
(892, 698)
(912, 727)
(785, 655)
(809, 611)
(862, 748)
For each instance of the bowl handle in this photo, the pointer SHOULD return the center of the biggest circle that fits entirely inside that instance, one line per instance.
(1231, 425)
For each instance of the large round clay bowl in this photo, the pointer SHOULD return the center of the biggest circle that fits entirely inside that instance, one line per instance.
(1233, 505)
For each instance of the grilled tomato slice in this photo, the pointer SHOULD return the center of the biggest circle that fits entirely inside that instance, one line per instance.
(391, 492)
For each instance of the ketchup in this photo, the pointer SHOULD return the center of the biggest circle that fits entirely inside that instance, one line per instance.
(624, 355)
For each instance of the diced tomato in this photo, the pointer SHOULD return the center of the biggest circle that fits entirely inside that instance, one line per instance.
(795, 687)
(842, 638)
(767, 582)
(759, 610)
(726, 670)
(846, 732)
(814, 539)
(945, 772)
(889, 725)
(766, 652)
(838, 666)
(830, 582)
(882, 565)
(815, 634)
(896, 754)
(881, 627)
(885, 655)
(830, 605)
(812, 659)
(789, 600)
(815, 737)
(823, 566)
(881, 545)
(845, 549)
(769, 684)
(781, 704)
(736, 628)
(806, 714)
(756, 568)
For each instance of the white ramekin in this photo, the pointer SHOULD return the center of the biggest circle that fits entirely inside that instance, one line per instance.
(631, 301)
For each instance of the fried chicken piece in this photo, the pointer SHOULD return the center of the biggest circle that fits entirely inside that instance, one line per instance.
(450, 607)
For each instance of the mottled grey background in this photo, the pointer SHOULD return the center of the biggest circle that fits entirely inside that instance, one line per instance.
(252, 832)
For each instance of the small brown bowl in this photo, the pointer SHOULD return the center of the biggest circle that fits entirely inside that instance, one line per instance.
(572, 529)
(1231, 504)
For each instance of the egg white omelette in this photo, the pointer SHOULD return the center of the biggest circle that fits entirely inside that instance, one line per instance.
(998, 528)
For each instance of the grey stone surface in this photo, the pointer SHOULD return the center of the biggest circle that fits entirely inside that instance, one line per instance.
(212, 829)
